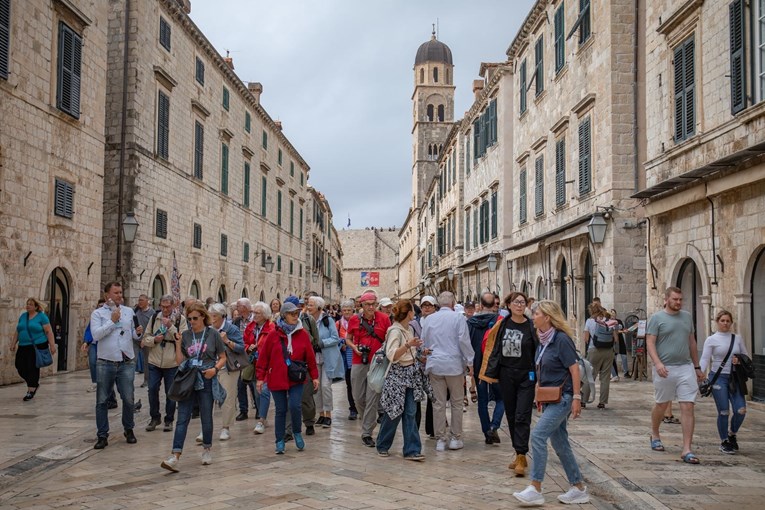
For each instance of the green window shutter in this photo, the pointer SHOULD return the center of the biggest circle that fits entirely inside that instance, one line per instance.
(292, 217)
(225, 99)
(584, 27)
(292, 266)
(163, 126)
(539, 186)
(737, 57)
(585, 163)
(560, 172)
(476, 139)
(467, 156)
(475, 226)
(690, 88)
(5, 38)
(292, 169)
(224, 169)
(300, 224)
(247, 121)
(522, 86)
(493, 122)
(246, 252)
(265, 140)
(69, 69)
(246, 198)
(560, 42)
(467, 229)
(160, 227)
(494, 215)
(279, 263)
(685, 91)
(197, 238)
(539, 65)
(200, 71)
(279, 208)
(263, 195)
(64, 199)
(279, 157)
(164, 33)
(223, 245)
(199, 149)
(522, 197)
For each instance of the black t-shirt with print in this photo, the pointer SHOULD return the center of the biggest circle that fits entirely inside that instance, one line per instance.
(516, 345)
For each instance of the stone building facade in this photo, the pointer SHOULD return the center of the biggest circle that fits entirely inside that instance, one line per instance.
(366, 253)
(52, 95)
(218, 190)
(576, 142)
(705, 175)
(324, 267)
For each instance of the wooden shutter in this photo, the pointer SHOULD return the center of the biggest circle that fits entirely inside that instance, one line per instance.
(494, 215)
(225, 98)
(584, 13)
(247, 121)
(164, 33)
(292, 217)
(475, 226)
(263, 196)
(560, 42)
(522, 196)
(539, 65)
(467, 229)
(279, 208)
(523, 87)
(224, 245)
(539, 186)
(163, 125)
(300, 224)
(560, 172)
(493, 122)
(246, 200)
(64, 199)
(690, 88)
(685, 91)
(197, 235)
(160, 227)
(585, 147)
(5, 38)
(199, 149)
(200, 71)
(69, 69)
(246, 254)
(737, 57)
(476, 138)
(224, 169)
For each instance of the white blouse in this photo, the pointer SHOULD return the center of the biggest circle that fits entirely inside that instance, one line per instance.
(715, 349)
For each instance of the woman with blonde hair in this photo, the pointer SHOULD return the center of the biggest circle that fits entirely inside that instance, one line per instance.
(33, 331)
(557, 367)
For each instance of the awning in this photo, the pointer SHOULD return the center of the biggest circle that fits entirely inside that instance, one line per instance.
(523, 252)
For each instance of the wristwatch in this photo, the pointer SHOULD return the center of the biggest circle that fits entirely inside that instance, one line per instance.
(697, 368)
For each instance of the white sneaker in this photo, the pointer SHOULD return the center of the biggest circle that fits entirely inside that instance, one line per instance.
(225, 435)
(615, 378)
(441, 445)
(206, 457)
(456, 444)
(93, 387)
(199, 438)
(171, 463)
(530, 497)
(260, 427)
(574, 496)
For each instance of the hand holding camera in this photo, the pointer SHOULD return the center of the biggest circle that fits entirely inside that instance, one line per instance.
(364, 351)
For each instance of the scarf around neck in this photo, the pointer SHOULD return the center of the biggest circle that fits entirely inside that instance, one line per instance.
(287, 328)
(546, 336)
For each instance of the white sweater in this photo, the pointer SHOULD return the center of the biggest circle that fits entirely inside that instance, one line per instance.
(715, 349)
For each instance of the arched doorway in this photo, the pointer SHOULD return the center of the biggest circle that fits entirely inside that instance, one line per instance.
(689, 281)
(525, 287)
(194, 291)
(222, 294)
(262, 296)
(757, 313)
(157, 291)
(58, 313)
(564, 287)
(589, 284)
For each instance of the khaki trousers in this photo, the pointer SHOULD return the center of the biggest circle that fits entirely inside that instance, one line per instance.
(455, 386)
(229, 381)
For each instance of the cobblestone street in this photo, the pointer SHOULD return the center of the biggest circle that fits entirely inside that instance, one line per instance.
(47, 461)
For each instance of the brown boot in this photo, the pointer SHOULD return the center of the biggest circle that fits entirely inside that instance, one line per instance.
(520, 465)
(511, 466)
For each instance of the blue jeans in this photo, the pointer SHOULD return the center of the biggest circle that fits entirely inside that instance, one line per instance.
(412, 444)
(483, 406)
(283, 398)
(552, 425)
(204, 399)
(264, 400)
(241, 395)
(107, 374)
(725, 400)
(92, 359)
(156, 377)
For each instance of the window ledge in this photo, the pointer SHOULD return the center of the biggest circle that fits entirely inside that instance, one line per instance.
(540, 97)
(524, 114)
(560, 74)
(586, 45)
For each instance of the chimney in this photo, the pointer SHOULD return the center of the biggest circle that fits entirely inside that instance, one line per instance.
(477, 87)
(230, 62)
(278, 124)
(256, 89)
(185, 5)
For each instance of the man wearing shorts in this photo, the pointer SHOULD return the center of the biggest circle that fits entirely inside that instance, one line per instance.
(671, 344)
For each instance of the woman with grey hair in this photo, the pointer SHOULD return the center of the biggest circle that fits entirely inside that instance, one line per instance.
(329, 360)
(347, 309)
(229, 376)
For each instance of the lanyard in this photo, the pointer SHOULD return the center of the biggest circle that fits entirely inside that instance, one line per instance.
(541, 353)
(198, 343)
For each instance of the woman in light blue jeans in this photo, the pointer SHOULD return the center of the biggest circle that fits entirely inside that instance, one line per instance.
(557, 366)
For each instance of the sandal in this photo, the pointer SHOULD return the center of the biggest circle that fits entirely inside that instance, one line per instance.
(690, 458)
(473, 395)
(671, 419)
(657, 445)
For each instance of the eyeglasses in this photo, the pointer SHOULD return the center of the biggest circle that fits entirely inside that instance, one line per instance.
(195, 318)
(518, 302)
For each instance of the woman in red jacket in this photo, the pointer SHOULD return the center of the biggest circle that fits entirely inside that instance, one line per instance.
(288, 344)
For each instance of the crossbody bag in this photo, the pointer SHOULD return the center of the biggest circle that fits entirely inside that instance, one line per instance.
(705, 387)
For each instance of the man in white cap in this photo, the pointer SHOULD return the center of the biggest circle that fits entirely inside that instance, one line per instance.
(386, 307)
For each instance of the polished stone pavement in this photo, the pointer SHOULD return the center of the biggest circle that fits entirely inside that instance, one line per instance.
(47, 461)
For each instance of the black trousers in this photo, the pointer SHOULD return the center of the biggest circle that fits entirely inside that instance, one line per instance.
(518, 395)
(26, 364)
(349, 390)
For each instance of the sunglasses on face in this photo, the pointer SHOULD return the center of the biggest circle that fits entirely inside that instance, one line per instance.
(195, 318)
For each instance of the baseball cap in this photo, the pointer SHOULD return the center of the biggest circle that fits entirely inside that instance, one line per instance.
(428, 299)
(386, 302)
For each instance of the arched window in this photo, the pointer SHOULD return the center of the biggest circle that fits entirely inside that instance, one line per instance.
(194, 291)
(430, 113)
(157, 290)
(564, 287)
(422, 75)
(222, 294)
(689, 281)
(430, 150)
(589, 291)
(757, 314)
(440, 113)
(262, 295)
(435, 74)
(244, 292)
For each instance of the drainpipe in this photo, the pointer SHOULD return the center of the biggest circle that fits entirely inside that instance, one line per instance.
(714, 250)
(123, 134)
(635, 99)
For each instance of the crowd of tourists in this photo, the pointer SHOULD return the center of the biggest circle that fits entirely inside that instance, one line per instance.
(394, 359)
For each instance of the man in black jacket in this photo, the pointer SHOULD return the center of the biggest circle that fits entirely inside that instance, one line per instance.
(478, 325)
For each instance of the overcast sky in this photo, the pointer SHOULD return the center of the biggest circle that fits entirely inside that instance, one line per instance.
(339, 75)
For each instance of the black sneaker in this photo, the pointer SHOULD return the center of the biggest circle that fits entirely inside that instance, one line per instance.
(130, 437)
(101, 443)
(327, 423)
(168, 427)
(309, 430)
(368, 441)
(287, 437)
(152, 425)
(241, 416)
(111, 405)
(726, 448)
(353, 415)
(487, 439)
(137, 406)
(320, 421)
(494, 436)
(733, 442)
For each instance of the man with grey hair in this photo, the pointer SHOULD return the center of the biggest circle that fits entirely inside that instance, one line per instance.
(143, 313)
(246, 316)
(445, 333)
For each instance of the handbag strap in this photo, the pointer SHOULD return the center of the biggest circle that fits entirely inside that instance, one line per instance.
(286, 355)
(29, 333)
(724, 361)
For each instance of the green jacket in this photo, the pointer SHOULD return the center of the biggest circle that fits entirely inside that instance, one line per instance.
(309, 324)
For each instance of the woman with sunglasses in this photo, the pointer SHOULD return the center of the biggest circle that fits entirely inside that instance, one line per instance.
(199, 346)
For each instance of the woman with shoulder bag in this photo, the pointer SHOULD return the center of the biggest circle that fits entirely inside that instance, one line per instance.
(329, 360)
(403, 386)
(33, 332)
(726, 391)
(236, 360)
(557, 397)
(286, 348)
(200, 347)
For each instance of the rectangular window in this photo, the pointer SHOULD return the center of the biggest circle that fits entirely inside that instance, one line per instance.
(758, 50)
(5, 38)
(522, 197)
(223, 245)
(262, 258)
(685, 89)
(246, 253)
(476, 211)
(467, 229)
(279, 263)
(485, 227)
(737, 56)
(292, 169)
(539, 66)
(494, 215)
(163, 126)
(64, 199)
(279, 208)
(200, 71)
(560, 172)
(300, 270)
(301, 179)
(247, 122)
(197, 238)
(263, 190)
(224, 169)
(440, 240)
(300, 223)
(225, 99)
(292, 217)
(492, 122)
(467, 155)
(69, 69)
(476, 138)
(246, 197)
(160, 229)
(585, 159)
(264, 143)
(199, 149)
(279, 157)
(584, 14)
(292, 266)
(560, 41)
(164, 33)
(539, 186)
(523, 86)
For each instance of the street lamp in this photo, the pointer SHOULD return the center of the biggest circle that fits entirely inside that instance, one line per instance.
(269, 264)
(129, 227)
(450, 274)
(492, 262)
(597, 228)
(314, 276)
